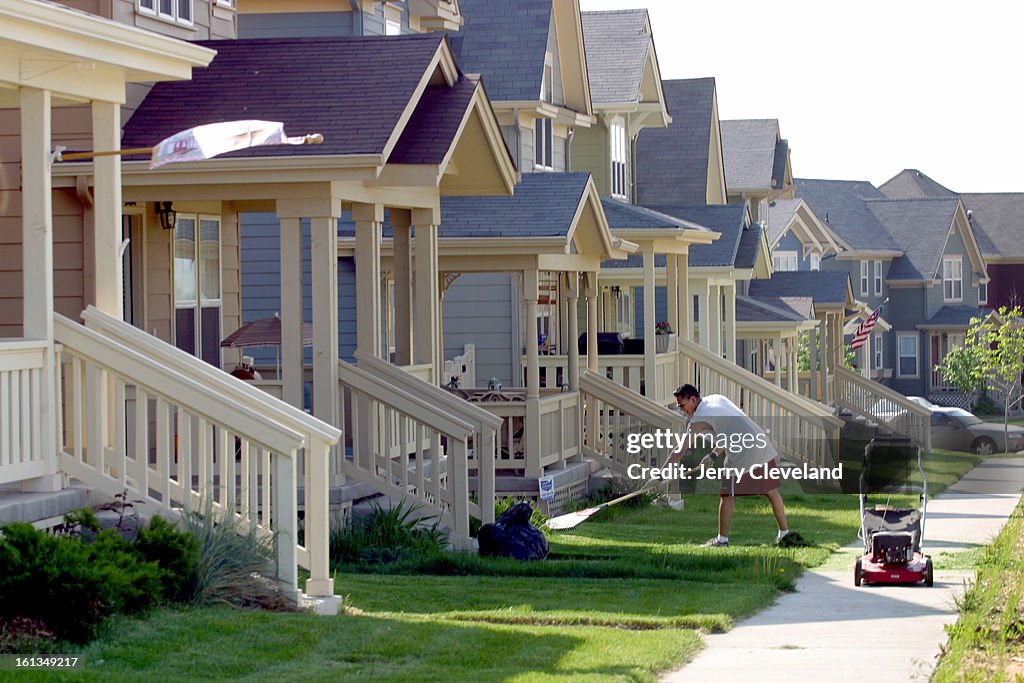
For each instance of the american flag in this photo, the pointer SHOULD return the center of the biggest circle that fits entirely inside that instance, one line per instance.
(212, 139)
(864, 329)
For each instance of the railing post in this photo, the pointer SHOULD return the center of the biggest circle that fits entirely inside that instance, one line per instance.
(317, 530)
(458, 484)
(285, 516)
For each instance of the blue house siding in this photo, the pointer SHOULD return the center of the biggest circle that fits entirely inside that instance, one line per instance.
(261, 282)
(790, 242)
(660, 309)
(296, 25)
(936, 295)
(481, 309)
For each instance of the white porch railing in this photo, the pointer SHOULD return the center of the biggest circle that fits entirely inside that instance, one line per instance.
(462, 367)
(192, 436)
(22, 365)
(611, 415)
(555, 427)
(626, 370)
(884, 406)
(802, 430)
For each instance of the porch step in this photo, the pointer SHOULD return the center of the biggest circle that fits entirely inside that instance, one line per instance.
(40, 509)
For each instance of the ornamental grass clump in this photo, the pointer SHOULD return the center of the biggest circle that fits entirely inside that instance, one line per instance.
(386, 535)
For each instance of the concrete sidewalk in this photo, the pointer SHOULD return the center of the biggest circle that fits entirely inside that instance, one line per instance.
(830, 630)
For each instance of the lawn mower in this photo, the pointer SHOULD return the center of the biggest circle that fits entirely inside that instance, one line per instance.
(892, 536)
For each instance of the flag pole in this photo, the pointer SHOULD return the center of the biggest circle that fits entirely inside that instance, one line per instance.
(59, 155)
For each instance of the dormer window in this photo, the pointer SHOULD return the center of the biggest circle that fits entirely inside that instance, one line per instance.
(392, 20)
(544, 135)
(617, 133)
(784, 261)
(815, 261)
(179, 11)
(983, 293)
(952, 278)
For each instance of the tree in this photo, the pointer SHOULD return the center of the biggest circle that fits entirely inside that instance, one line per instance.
(993, 353)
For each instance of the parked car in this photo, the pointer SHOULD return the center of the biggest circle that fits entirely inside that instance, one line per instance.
(956, 429)
(923, 402)
(886, 411)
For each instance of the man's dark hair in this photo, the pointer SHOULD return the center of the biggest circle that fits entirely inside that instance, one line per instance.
(686, 391)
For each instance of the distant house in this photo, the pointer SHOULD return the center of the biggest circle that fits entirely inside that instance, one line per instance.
(919, 253)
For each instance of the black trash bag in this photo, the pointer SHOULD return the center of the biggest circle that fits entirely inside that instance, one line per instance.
(513, 536)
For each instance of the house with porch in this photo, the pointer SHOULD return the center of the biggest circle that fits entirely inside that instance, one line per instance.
(106, 404)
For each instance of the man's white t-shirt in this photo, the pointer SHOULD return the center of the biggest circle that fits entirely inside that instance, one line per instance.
(725, 417)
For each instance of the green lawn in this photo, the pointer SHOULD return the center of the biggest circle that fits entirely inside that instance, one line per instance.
(621, 597)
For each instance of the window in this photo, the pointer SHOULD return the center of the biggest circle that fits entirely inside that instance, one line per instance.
(952, 279)
(784, 261)
(815, 261)
(544, 141)
(908, 355)
(624, 311)
(864, 278)
(878, 351)
(392, 20)
(226, 3)
(197, 298)
(982, 293)
(617, 132)
(878, 278)
(173, 10)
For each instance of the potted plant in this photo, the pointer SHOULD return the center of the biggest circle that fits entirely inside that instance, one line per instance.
(665, 338)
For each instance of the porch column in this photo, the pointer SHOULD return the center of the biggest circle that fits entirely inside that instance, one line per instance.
(532, 440)
(703, 304)
(684, 300)
(730, 321)
(825, 358)
(865, 365)
(563, 314)
(368, 219)
(572, 292)
(672, 291)
(715, 319)
(590, 291)
(794, 373)
(37, 265)
(401, 221)
(428, 303)
(291, 311)
(812, 348)
(324, 257)
(779, 354)
(650, 343)
(106, 135)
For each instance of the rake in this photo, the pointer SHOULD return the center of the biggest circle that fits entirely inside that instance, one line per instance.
(574, 519)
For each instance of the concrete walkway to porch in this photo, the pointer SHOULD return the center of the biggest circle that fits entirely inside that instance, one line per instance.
(830, 630)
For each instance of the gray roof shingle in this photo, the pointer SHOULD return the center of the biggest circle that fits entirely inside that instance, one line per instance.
(672, 162)
(912, 184)
(955, 316)
(623, 216)
(919, 227)
(826, 287)
(840, 204)
(774, 309)
(544, 205)
(749, 247)
(729, 220)
(323, 85)
(780, 213)
(431, 130)
(754, 153)
(504, 41)
(617, 44)
(998, 222)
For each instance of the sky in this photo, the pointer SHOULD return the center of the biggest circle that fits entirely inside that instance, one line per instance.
(865, 89)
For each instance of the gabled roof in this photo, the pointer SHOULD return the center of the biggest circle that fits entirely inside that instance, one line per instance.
(618, 43)
(912, 184)
(505, 41)
(998, 223)
(623, 216)
(750, 246)
(827, 288)
(672, 163)
(796, 215)
(920, 228)
(755, 154)
(840, 204)
(337, 91)
(774, 309)
(730, 221)
(427, 137)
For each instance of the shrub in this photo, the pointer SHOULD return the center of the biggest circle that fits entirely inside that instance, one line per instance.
(70, 585)
(386, 535)
(176, 552)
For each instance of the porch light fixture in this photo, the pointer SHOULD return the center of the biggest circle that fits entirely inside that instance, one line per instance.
(167, 215)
